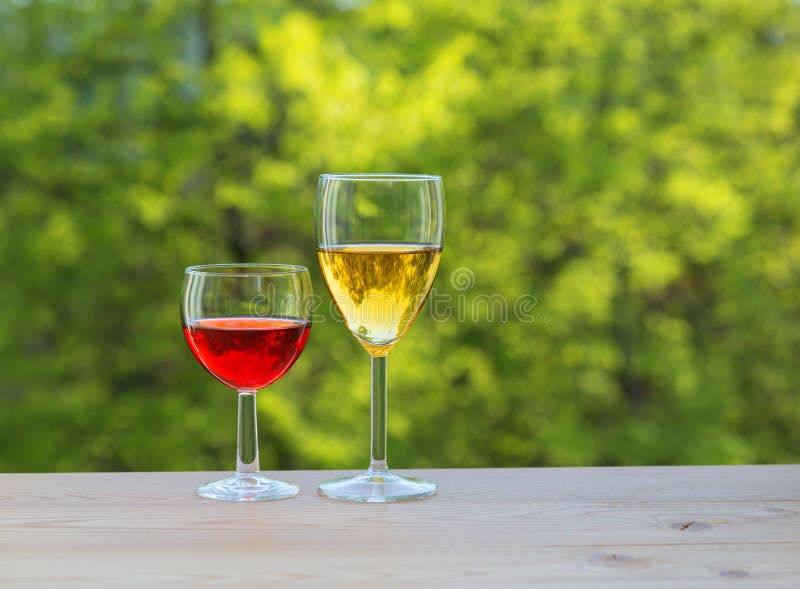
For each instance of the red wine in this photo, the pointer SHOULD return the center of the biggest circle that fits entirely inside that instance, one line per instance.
(247, 353)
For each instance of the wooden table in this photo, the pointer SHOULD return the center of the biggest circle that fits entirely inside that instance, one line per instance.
(735, 526)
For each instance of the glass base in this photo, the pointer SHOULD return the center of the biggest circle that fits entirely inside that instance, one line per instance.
(252, 486)
(377, 487)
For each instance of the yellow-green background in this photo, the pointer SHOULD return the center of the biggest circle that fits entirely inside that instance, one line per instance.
(633, 165)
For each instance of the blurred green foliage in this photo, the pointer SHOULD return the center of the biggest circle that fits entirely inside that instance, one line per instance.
(634, 165)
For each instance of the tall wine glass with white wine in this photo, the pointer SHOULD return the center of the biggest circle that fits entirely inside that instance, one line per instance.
(380, 241)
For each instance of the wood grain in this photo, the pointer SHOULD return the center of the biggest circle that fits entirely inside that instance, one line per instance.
(587, 527)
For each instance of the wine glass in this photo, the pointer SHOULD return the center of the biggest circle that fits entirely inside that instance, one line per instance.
(380, 241)
(246, 324)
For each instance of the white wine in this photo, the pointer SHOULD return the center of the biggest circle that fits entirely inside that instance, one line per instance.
(379, 288)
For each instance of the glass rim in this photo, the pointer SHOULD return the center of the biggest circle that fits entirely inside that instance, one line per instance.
(380, 176)
(246, 269)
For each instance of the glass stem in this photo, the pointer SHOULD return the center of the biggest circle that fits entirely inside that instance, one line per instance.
(247, 436)
(377, 462)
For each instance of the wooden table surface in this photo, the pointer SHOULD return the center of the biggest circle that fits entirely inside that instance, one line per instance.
(718, 526)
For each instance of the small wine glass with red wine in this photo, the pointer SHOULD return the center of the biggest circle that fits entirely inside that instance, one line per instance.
(246, 324)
